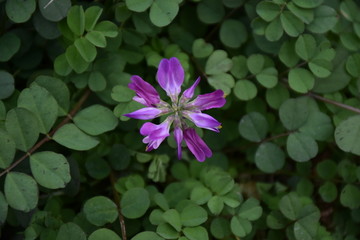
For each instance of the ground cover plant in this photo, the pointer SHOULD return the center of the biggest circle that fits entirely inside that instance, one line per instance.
(256, 130)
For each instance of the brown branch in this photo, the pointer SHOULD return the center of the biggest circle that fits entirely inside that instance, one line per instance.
(48, 137)
(117, 202)
(341, 105)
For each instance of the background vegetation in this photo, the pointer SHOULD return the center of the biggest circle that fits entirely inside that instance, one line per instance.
(285, 166)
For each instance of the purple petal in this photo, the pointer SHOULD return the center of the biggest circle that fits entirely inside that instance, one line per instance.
(146, 94)
(203, 120)
(196, 145)
(189, 93)
(155, 134)
(144, 113)
(215, 99)
(140, 100)
(170, 76)
(178, 135)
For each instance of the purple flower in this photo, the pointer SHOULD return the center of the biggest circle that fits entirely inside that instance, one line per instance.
(170, 76)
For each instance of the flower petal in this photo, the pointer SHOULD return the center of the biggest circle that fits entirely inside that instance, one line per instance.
(144, 91)
(196, 145)
(144, 113)
(215, 99)
(203, 120)
(178, 135)
(170, 76)
(155, 134)
(189, 93)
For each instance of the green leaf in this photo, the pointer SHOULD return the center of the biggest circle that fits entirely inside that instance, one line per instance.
(96, 38)
(291, 24)
(253, 127)
(233, 33)
(276, 96)
(3, 209)
(45, 28)
(268, 77)
(324, 20)
(220, 228)
(200, 195)
(306, 227)
(58, 89)
(255, 63)
(218, 62)
(290, 206)
(201, 49)
(20, 11)
(352, 64)
(268, 10)
(76, 20)
(92, 15)
(269, 158)
(97, 168)
(326, 169)
(215, 205)
(61, 65)
(347, 170)
(250, 210)
(107, 28)
(328, 192)
(349, 196)
(196, 233)
(305, 46)
(72, 137)
(294, 113)
(104, 233)
(86, 49)
(347, 135)
(349, 9)
(245, 90)
(239, 68)
(301, 80)
(275, 220)
(33, 99)
(6, 84)
(138, 5)
(320, 67)
(172, 217)
(22, 126)
(301, 147)
(97, 81)
(134, 203)
(305, 15)
(288, 54)
(95, 120)
(163, 12)
(70, 231)
(274, 31)
(308, 3)
(193, 215)
(240, 227)
(21, 191)
(55, 10)
(210, 11)
(7, 150)
(223, 81)
(318, 126)
(50, 170)
(121, 93)
(75, 60)
(9, 45)
(167, 231)
(146, 236)
(100, 210)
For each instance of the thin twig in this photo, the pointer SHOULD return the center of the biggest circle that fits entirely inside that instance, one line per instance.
(117, 202)
(341, 105)
(48, 137)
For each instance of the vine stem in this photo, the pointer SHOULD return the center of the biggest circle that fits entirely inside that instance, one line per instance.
(341, 105)
(117, 202)
(49, 136)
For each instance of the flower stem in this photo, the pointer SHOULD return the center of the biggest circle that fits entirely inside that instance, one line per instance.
(117, 202)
